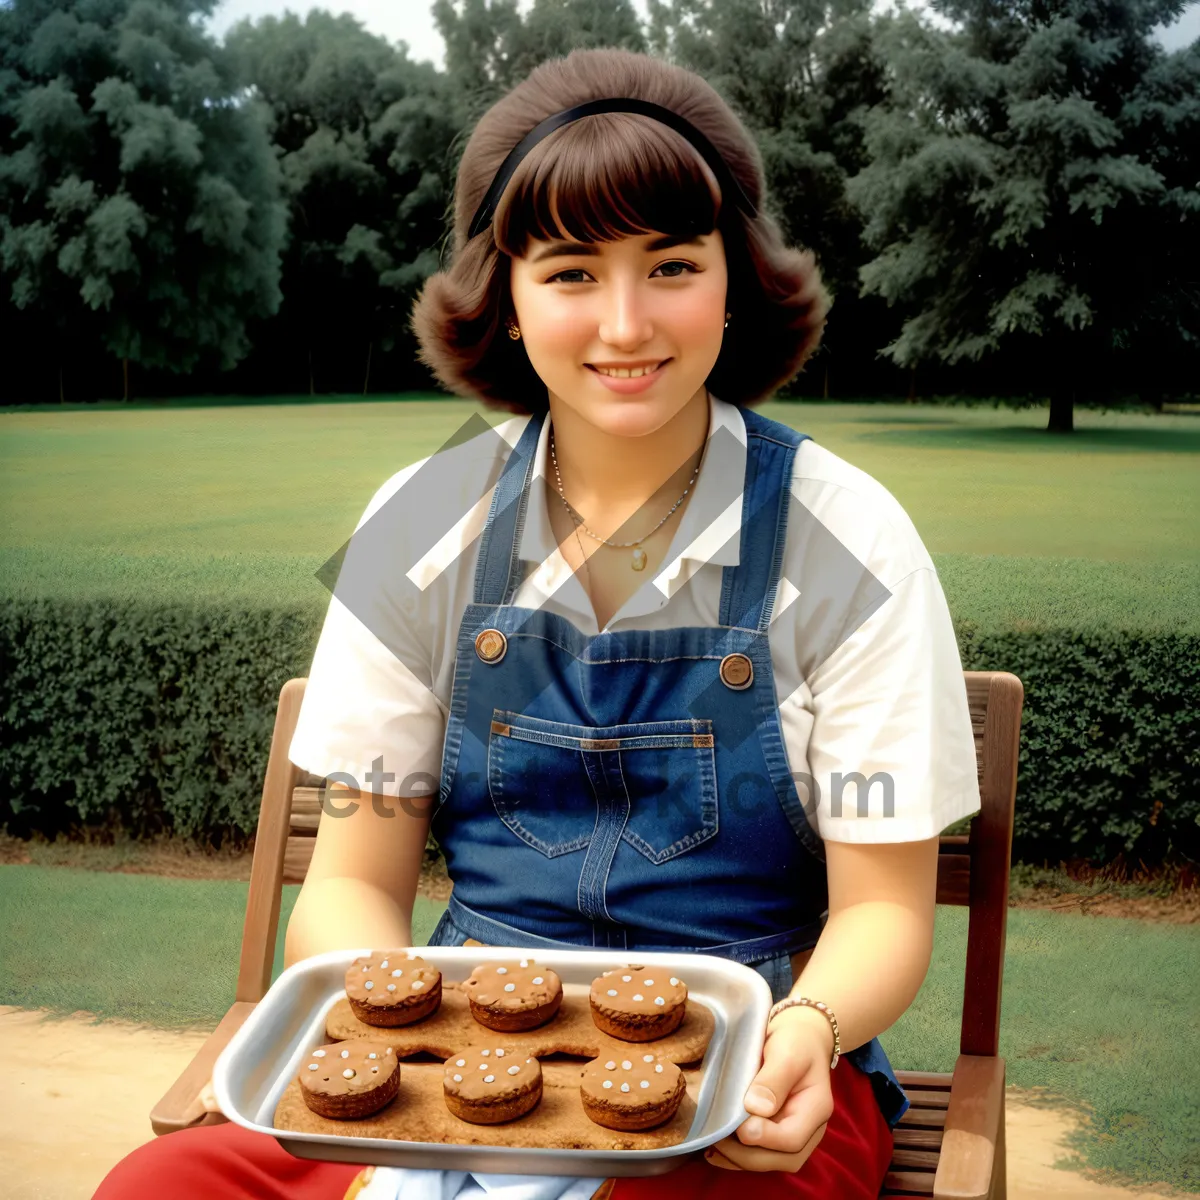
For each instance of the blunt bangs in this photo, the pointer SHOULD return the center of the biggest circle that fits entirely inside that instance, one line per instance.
(604, 177)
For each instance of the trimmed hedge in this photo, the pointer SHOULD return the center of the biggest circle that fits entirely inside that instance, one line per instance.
(158, 717)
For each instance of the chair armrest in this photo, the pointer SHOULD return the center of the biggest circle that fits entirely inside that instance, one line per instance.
(182, 1105)
(974, 1120)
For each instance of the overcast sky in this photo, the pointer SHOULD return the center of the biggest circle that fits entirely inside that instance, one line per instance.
(412, 22)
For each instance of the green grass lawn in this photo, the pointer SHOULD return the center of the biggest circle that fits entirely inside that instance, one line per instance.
(1100, 1012)
(248, 501)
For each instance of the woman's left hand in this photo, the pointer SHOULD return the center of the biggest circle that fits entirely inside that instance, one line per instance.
(790, 1099)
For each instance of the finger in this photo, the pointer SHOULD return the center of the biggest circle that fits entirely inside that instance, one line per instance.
(803, 1113)
(754, 1158)
(716, 1156)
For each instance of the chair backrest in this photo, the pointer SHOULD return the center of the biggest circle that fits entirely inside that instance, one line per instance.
(972, 868)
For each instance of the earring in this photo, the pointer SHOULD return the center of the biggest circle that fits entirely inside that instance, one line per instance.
(514, 331)
(727, 320)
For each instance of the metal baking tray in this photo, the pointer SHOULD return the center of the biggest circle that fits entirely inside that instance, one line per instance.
(265, 1055)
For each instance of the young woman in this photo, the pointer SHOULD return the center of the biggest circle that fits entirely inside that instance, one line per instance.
(626, 650)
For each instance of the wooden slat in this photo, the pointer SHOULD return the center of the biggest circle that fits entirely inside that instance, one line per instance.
(954, 879)
(296, 858)
(933, 1118)
(924, 1079)
(270, 846)
(909, 1138)
(908, 1183)
(915, 1160)
(306, 811)
(920, 1098)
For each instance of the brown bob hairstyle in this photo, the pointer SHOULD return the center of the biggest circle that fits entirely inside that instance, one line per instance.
(599, 178)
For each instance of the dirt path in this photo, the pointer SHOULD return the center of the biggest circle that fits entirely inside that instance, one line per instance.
(77, 1098)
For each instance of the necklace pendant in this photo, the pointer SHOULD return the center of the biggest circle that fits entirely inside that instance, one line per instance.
(639, 559)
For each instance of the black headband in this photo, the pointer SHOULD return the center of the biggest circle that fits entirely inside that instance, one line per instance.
(645, 108)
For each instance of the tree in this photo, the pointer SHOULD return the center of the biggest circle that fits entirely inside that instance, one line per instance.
(139, 198)
(799, 74)
(1012, 163)
(362, 135)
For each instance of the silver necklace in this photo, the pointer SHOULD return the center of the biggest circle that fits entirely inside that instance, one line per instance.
(639, 555)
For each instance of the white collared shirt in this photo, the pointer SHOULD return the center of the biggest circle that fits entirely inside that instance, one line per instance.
(867, 671)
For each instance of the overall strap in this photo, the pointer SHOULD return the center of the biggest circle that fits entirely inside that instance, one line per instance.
(496, 574)
(748, 588)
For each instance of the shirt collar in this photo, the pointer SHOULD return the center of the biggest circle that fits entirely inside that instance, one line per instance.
(710, 529)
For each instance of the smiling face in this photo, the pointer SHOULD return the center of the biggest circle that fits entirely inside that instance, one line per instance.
(624, 332)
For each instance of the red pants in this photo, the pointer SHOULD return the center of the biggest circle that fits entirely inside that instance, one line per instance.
(227, 1162)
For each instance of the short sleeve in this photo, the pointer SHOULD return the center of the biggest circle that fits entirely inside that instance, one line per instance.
(889, 706)
(370, 708)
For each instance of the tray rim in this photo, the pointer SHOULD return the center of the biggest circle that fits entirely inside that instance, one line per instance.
(459, 1155)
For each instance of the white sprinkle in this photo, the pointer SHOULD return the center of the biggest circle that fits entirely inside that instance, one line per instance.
(674, 981)
(417, 984)
(397, 974)
(513, 1069)
(611, 1065)
(312, 1066)
(489, 1079)
(462, 1062)
(639, 996)
(345, 1053)
(627, 978)
(659, 1000)
(612, 991)
(483, 1066)
(501, 970)
(348, 1073)
(608, 1083)
(645, 1083)
(318, 1054)
(458, 1079)
(659, 1068)
(383, 965)
(529, 1060)
(624, 1087)
(648, 982)
(369, 984)
(391, 987)
(372, 1055)
(367, 967)
(388, 1050)
(510, 987)
(626, 1064)
(524, 962)
(538, 979)
(485, 1053)
(499, 1053)
(647, 1058)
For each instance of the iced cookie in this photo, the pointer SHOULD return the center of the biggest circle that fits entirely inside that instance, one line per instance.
(511, 996)
(638, 1004)
(493, 1084)
(637, 1092)
(390, 988)
(350, 1079)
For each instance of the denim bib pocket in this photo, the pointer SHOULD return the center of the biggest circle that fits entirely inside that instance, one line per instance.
(553, 783)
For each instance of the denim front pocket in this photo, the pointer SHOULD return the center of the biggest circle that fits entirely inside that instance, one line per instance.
(551, 782)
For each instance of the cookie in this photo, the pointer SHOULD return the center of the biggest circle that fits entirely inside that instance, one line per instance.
(389, 988)
(638, 1092)
(638, 1004)
(346, 1080)
(511, 996)
(493, 1084)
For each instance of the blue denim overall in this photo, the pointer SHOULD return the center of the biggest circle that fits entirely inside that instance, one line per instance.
(631, 790)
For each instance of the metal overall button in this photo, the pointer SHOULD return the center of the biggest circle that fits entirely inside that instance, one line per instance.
(490, 645)
(737, 672)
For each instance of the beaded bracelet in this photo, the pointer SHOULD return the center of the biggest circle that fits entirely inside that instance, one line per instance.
(790, 1000)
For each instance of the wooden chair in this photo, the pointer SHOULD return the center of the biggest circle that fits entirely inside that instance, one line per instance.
(950, 1143)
